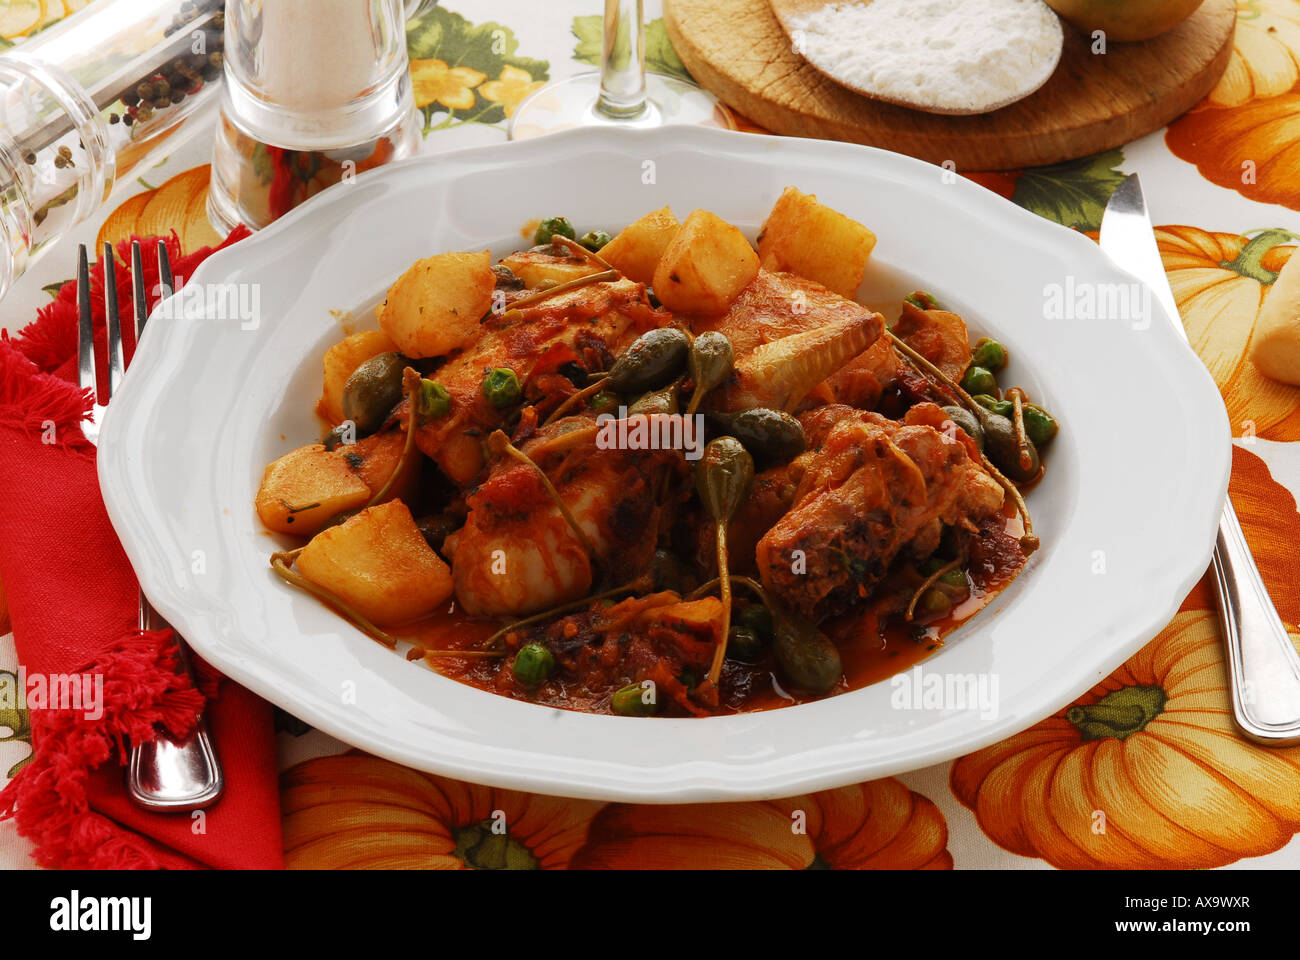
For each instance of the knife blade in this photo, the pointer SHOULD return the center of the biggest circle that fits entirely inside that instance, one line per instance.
(1263, 668)
(1127, 237)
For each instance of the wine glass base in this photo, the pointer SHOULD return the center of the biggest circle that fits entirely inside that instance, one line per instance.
(570, 103)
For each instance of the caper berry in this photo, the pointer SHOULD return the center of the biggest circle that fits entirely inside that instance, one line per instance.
(533, 664)
(807, 657)
(968, 422)
(979, 380)
(548, 228)
(373, 389)
(593, 240)
(989, 354)
(501, 387)
(656, 401)
(744, 643)
(756, 617)
(1003, 448)
(631, 701)
(772, 436)
(654, 358)
(711, 362)
(723, 477)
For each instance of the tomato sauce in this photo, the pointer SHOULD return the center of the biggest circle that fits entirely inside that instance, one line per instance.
(870, 653)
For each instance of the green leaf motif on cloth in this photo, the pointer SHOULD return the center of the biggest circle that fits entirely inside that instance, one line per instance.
(14, 717)
(660, 57)
(463, 72)
(1074, 193)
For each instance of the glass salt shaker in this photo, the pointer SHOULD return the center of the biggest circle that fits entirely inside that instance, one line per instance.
(85, 103)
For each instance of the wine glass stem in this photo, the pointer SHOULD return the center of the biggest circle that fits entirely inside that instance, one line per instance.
(622, 61)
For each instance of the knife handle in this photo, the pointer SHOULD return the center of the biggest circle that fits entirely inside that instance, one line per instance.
(1263, 667)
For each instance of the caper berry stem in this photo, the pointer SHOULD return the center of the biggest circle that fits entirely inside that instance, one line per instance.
(412, 384)
(929, 582)
(590, 255)
(281, 563)
(564, 608)
(1017, 397)
(1029, 542)
(720, 651)
(498, 442)
(567, 285)
(573, 399)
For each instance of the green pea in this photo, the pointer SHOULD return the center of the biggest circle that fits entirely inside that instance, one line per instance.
(593, 240)
(989, 354)
(630, 701)
(501, 387)
(922, 300)
(758, 618)
(533, 664)
(968, 422)
(667, 572)
(435, 401)
(654, 359)
(604, 401)
(1040, 426)
(744, 643)
(956, 577)
(1003, 408)
(979, 380)
(548, 228)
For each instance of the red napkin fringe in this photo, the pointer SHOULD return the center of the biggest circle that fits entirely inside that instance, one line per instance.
(48, 799)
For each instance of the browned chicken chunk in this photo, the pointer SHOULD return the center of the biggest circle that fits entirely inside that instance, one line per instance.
(868, 489)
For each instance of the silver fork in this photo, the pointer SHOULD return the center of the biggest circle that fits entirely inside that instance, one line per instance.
(164, 774)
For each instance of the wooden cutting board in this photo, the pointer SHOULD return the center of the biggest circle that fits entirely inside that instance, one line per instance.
(737, 49)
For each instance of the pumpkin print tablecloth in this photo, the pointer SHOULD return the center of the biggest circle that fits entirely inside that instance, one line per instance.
(1146, 770)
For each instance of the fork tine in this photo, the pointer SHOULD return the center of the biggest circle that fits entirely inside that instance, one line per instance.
(165, 270)
(137, 291)
(85, 327)
(116, 360)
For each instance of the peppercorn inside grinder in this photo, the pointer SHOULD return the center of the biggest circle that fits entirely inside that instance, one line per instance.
(92, 101)
(316, 91)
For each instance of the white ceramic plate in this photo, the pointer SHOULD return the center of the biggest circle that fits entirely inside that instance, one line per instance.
(1126, 514)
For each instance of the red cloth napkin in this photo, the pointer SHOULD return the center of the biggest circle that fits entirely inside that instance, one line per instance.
(72, 602)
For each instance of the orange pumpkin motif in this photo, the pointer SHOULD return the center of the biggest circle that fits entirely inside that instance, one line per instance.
(180, 204)
(878, 825)
(356, 811)
(1265, 53)
(1145, 771)
(1219, 281)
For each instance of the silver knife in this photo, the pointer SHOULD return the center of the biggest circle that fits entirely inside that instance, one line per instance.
(1263, 668)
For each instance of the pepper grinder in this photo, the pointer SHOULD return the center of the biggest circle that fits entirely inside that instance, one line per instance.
(315, 92)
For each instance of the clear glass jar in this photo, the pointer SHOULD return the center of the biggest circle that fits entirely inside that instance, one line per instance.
(315, 91)
(86, 102)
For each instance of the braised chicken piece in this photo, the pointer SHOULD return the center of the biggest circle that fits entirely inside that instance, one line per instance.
(517, 553)
(869, 488)
(585, 327)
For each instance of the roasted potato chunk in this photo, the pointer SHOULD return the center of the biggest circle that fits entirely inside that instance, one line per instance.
(705, 266)
(640, 245)
(378, 563)
(374, 458)
(306, 488)
(810, 239)
(435, 306)
(343, 358)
